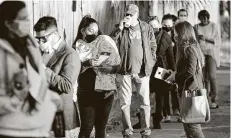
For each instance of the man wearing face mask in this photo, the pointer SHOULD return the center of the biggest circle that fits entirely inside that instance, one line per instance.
(182, 15)
(137, 47)
(155, 23)
(62, 66)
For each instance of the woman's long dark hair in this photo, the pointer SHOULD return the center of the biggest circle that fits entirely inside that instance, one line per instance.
(186, 37)
(8, 12)
(85, 22)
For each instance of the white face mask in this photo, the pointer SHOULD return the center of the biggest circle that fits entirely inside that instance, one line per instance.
(20, 27)
(46, 47)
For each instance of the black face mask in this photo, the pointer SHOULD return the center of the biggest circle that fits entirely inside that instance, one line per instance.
(90, 38)
(167, 29)
(156, 30)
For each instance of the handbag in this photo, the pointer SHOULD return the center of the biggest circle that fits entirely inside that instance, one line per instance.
(195, 107)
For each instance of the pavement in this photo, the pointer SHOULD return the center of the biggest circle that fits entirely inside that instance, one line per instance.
(218, 127)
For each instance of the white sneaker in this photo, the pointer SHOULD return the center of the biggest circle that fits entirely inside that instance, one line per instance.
(167, 119)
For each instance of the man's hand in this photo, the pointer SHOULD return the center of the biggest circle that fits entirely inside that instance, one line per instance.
(108, 94)
(121, 25)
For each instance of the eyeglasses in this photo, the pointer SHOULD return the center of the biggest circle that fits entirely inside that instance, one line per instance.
(127, 14)
(43, 39)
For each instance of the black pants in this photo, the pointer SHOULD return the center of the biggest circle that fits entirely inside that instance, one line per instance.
(94, 111)
(162, 104)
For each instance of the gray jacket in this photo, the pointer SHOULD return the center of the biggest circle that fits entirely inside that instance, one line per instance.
(189, 71)
(62, 72)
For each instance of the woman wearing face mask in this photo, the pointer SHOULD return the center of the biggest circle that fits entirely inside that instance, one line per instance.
(165, 59)
(23, 113)
(94, 104)
(190, 61)
(210, 42)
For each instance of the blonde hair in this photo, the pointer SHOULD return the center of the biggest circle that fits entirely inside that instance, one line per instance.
(186, 38)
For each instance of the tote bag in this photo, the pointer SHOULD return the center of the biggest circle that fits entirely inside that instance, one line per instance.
(195, 107)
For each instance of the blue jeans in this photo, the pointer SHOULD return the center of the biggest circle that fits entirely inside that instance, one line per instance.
(210, 77)
(94, 111)
(193, 131)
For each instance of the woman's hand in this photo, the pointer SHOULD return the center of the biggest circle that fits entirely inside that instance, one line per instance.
(105, 69)
(10, 104)
(201, 37)
(94, 62)
(171, 78)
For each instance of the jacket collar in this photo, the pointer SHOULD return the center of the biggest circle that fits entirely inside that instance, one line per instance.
(58, 53)
(142, 25)
(6, 45)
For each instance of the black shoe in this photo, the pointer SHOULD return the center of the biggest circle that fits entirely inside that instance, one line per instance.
(156, 121)
(157, 125)
(137, 125)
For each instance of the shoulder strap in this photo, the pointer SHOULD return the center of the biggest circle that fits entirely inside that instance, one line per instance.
(6, 71)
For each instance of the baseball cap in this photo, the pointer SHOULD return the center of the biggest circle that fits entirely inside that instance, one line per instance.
(131, 9)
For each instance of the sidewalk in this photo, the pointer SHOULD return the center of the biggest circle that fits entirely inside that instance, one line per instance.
(218, 127)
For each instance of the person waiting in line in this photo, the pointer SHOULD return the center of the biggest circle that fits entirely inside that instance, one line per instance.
(165, 59)
(62, 66)
(182, 15)
(189, 63)
(210, 42)
(97, 79)
(136, 43)
(27, 106)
